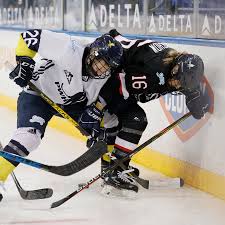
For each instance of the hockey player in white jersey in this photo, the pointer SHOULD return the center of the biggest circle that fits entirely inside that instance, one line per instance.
(68, 73)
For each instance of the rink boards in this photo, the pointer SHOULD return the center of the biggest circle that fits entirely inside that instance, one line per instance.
(193, 150)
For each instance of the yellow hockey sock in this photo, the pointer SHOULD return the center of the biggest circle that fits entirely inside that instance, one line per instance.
(106, 157)
(5, 168)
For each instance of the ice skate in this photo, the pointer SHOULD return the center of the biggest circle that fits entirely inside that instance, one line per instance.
(119, 182)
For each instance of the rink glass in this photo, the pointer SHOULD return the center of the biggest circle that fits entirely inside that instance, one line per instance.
(180, 18)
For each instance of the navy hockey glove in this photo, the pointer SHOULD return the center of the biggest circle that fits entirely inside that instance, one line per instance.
(22, 73)
(92, 140)
(90, 120)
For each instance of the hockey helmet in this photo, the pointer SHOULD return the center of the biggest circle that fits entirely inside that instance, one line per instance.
(104, 48)
(190, 70)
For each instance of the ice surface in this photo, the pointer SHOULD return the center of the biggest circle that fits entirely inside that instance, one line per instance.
(185, 206)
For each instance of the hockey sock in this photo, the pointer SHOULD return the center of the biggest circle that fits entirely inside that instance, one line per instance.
(5, 168)
(16, 148)
(106, 157)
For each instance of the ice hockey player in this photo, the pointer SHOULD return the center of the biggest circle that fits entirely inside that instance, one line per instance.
(68, 73)
(149, 70)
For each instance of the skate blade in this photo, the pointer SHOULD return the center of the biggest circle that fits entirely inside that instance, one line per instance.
(112, 192)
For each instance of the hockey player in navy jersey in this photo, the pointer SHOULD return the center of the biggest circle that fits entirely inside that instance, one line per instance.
(149, 70)
(68, 73)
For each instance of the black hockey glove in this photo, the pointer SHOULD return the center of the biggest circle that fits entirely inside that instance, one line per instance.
(197, 103)
(90, 120)
(113, 33)
(22, 73)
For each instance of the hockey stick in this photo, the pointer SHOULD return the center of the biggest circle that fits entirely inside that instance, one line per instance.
(173, 182)
(31, 194)
(58, 109)
(51, 103)
(89, 157)
(141, 181)
(118, 162)
(144, 183)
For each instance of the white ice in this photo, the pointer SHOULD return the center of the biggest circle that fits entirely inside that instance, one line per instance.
(185, 206)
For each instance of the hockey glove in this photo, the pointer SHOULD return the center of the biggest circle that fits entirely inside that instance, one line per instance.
(198, 104)
(90, 120)
(92, 140)
(22, 74)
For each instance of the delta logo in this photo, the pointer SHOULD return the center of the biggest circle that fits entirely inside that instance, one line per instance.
(174, 107)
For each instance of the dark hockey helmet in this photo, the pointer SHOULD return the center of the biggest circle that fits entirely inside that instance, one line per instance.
(190, 71)
(108, 49)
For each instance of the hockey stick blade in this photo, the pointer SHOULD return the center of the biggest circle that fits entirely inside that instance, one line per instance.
(165, 183)
(156, 183)
(144, 183)
(89, 157)
(32, 194)
(118, 162)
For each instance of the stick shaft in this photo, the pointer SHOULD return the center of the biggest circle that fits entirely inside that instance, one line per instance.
(58, 108)
(118, 162)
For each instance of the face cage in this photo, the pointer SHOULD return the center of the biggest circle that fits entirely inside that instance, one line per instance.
(98, 63)
(95, 60)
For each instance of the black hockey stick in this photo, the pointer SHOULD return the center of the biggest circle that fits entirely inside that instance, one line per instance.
(32, 194)
(172, 182)
(144, 183)
(72, 167)
(141, 181)
(85, 160)
(118, 162)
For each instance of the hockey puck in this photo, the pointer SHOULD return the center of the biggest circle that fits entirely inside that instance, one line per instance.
(82, 184)
(1, 197)
(181, 182)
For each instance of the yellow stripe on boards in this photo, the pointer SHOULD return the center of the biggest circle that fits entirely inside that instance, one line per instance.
(8, 102)
(66, 127)
(192, 175)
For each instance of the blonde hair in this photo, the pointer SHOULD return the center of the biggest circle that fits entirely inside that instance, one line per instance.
(171, 55)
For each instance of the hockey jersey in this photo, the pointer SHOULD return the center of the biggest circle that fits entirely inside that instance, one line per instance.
(144, 76)
(59, 69)
(144, 69)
